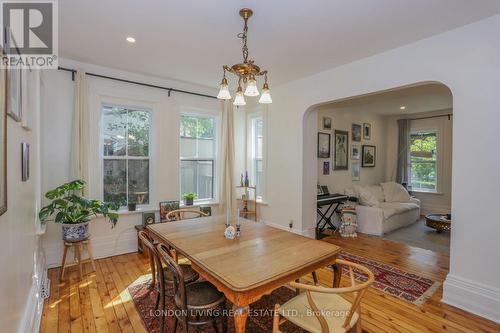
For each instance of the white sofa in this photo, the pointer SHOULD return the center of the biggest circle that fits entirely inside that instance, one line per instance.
(376, 216)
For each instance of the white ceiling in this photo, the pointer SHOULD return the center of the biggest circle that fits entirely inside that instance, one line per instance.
(422, 98)
(191, 40)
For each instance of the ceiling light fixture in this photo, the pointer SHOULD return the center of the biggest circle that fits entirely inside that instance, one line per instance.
(130, 39)
(247, 71)
(402, 107)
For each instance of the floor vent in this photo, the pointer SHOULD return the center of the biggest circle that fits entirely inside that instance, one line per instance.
(45, 287)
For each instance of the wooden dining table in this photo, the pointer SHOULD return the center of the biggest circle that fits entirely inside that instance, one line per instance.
(261, 260)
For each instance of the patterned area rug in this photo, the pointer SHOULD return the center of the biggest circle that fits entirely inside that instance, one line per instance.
(395, 282)
(260, 318)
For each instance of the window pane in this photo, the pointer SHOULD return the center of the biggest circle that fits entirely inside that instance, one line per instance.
(197, 137)
(138, 133)
(138, 181)
(198, 177)
(258, 177)
(115, 181)
(423, 156)
(114, 131)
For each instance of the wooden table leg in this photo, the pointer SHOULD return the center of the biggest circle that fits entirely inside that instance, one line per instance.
(240, 318)
(337, 274)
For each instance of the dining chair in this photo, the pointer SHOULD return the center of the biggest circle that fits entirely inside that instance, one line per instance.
(163, 275)
(197, 303)
(322, 309)
(180, 214)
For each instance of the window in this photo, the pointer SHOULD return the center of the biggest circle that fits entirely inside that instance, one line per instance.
(423, 157)
(197, 153)
(256, 154)
(126, 154)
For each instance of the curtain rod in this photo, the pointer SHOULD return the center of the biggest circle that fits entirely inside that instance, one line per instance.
(449, 115)
(73, 71)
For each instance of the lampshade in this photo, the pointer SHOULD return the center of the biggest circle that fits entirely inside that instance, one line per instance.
(239, 100)
(251, 89)
(265, 98)
(224, 90)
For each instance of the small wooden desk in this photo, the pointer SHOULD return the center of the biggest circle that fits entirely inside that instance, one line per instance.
(245, 269)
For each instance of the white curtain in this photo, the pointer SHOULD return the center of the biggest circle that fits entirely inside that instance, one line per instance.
(81, 127)
(226, 190)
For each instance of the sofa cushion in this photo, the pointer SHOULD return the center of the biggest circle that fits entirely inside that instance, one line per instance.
(377, 192)
(395, 192)
(366, 198)
(392, 208)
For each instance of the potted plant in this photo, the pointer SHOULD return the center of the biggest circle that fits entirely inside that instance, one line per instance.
(74, 211)
(189, 198)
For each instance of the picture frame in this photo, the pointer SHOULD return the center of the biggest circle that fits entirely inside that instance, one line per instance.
(341, 150)
(25, 161)
(367, 131)
(327, 123)
(3, 139)
(369, 156)
(356, 130)
(166, 207)
(206, 209)
(29, 106)
(326, 168)
(356, 171)
(148, 218)
(324, 145)
(14, 88)
(355, 152)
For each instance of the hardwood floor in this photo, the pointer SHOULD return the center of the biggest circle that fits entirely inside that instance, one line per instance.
(100, 302)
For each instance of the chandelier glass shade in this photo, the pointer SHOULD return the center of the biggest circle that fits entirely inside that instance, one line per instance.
(246, 72)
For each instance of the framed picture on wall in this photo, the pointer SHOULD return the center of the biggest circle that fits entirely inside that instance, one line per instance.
(166, 207)
(355, 152)
(356, 132)
(356, 171)
(14, 88)
(326, 167)
(341, 150)
(323, 145)
(327, 123)
(369, 156)
(25, 161)
(367, 131)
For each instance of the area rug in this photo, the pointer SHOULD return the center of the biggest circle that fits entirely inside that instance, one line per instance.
(260, 318)
(393, 281)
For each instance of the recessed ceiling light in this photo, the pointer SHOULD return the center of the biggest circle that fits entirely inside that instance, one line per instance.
(402, 107)
(131, 39)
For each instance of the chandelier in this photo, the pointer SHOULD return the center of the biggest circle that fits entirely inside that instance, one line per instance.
(247, 72)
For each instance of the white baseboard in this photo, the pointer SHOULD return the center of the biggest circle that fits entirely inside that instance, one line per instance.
(103, 247)
(472, 297)
(311, 233)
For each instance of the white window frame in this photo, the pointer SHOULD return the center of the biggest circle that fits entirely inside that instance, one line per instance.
(216, 172)
(251, 141)
(126, 157)
(437, 165)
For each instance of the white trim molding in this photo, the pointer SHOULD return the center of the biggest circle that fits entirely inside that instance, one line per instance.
(473, 297)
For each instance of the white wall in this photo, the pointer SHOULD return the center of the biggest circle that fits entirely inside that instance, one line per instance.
(21, 260)
(439, 202)
(57, 110)
(342, 119)
(467, 60)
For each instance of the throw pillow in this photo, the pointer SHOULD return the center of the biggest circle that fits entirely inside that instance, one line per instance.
(366, 198)
(395, 192)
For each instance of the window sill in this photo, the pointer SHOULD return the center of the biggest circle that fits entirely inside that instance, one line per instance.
(200, 203)
(139, 210)
(427, 192)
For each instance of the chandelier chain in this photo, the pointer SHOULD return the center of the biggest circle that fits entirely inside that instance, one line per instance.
(243, 36)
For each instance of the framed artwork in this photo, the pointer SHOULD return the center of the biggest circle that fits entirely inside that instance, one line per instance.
(356, 171)
(355, 152)
(25, 161)
(356, 132)
(326, 167)
(341, 150)
(14, 90)
(29, 106)
(368, 156)
(323, 145)
(206, 209)
(367, 131)
(327, 123)
(3, 140)
(166, 207)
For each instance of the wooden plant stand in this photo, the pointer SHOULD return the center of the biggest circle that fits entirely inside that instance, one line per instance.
(78, 248)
